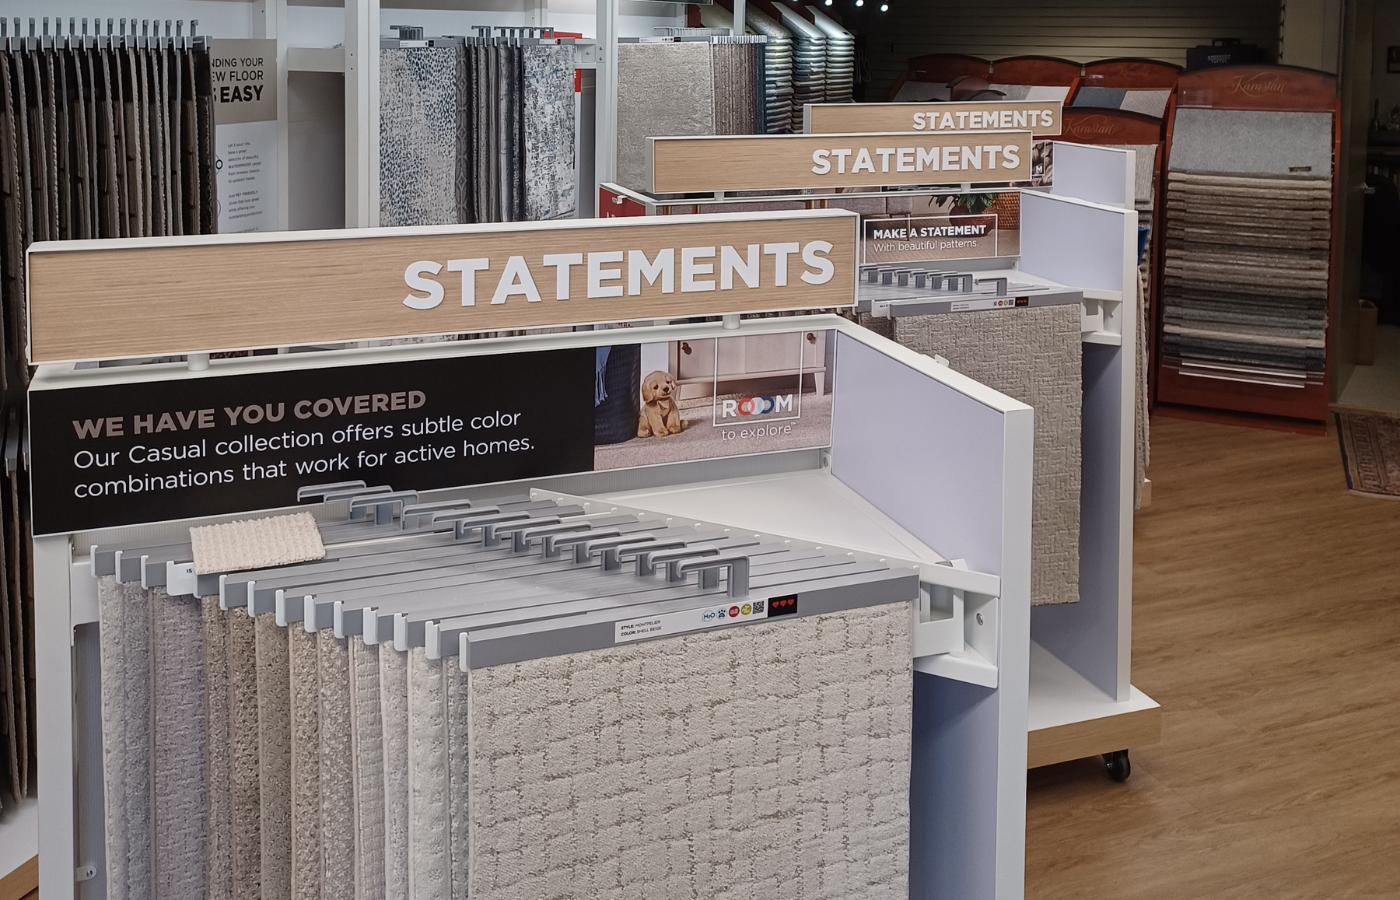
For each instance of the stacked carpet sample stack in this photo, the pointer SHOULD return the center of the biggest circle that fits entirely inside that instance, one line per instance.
(477, 131)
(431, 714)
(1248, 244)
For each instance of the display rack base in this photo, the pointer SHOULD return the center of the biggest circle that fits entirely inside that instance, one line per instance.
(1069, 718)
(1307, 402)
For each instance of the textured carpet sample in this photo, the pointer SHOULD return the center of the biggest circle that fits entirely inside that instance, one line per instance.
(367, 756)
(765, 761)
(663, 90)
(429, 854)
(306, 765)
(1370, 453)
(458, 690)
(219, 821)
(393, 693)
(337, 766)
(548, 113)
(274, 756)
(418, 131)
(256, 544)
(1252, 142)
(244, 795)
(1036, 356)
(178, 749)
(124, 615)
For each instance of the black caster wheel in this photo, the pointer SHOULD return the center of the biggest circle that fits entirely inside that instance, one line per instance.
(1118, 766)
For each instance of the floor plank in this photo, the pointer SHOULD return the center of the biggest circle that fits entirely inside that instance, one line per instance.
(1266, 621)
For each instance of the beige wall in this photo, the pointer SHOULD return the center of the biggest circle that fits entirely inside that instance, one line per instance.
(1310, 34)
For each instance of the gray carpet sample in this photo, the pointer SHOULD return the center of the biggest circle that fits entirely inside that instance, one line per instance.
(393, 694)
(418, 129)
(429, 868)
(662, 90)
(274, 756)
(244, 794)
(306, 765)
(178, 749)
(219, 821)
(1034, 355)
(124, 615)
(770, 761)
(336, 776)
(458, 775)
(367, 755)
(1252, 142)
(550, 171)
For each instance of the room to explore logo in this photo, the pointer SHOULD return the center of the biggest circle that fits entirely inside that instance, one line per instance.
(756, 406)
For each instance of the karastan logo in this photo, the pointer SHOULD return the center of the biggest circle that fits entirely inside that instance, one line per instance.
(1258, 85)
(613, 273)
(844, 160)
(1089, 126)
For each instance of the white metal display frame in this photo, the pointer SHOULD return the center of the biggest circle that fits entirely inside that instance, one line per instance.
(970, 782)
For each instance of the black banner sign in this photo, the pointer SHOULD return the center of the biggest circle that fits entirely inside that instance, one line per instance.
(148, 452)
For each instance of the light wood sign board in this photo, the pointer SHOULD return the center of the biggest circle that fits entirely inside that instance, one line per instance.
(112, 299)
(800, 161)
(1041, 117)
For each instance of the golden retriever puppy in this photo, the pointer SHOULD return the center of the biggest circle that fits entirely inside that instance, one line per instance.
(660, 414)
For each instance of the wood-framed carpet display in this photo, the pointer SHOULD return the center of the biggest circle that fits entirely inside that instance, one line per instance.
(1248, 268)
(927, 77)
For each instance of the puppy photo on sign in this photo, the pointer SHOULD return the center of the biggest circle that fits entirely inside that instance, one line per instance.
(712, 397)
(660, 413)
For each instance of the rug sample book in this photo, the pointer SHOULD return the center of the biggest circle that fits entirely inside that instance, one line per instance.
(1247, 266)
(1036, 356)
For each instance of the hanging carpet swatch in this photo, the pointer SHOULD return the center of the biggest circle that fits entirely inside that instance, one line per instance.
(418, 131)
(1036, 356)
(664, 89)
(766, 761)
(256, 543)
(550, 181)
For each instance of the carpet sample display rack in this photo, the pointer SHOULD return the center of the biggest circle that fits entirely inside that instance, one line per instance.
(1079, 244)
(1249, 273)
(241, 657)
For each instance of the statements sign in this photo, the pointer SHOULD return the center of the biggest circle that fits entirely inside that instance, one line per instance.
(795, 162)
(110, 299)
(1040, 117)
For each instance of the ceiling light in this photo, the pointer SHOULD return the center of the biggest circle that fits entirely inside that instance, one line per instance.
(860, 2)
(884, 7)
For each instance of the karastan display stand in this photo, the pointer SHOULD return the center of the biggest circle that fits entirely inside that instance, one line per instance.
(1080, 237)
(886, 478)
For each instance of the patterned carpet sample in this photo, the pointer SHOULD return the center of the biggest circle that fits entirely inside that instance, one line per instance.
(1370, 453)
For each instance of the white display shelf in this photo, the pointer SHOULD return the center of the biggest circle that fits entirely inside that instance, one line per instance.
(1069, 718)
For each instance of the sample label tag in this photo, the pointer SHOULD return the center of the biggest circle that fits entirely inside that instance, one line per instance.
(690, 620)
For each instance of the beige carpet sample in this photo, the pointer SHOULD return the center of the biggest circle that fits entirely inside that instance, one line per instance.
(367, 757)
(245, 794)
(429, 870)
(274, 756)
(337, 782)
(219, 822)
(306, 765)
(1034, 355)
(770, 760)
(458, 774)
(393, 695)
(124, 616)
(177, 756)
(256, 543)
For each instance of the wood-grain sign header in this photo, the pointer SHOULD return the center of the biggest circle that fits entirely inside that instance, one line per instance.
(1040, 117)
(157, 296)
(799, 161)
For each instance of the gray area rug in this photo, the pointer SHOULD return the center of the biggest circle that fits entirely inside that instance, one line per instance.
(418, 129)
(663, 90)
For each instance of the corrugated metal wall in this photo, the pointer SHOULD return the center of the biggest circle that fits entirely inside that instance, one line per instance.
(1082, 30)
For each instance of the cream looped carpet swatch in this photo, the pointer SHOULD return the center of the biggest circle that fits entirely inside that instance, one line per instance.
(256, 544)
(769, 761)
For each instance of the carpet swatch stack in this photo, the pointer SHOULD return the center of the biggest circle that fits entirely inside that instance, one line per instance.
(1248, 243)
(683, 88)
(101, 135)
(476, 131)
(248, 754)
(809, 52)
(840, 58)
(1036, 356)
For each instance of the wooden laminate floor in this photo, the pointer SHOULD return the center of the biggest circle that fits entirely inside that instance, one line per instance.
(1266, 621)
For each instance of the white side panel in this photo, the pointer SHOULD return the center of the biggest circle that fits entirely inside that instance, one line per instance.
(924, 454)
(53, 638)
(1073, 241)
(1104, 175)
